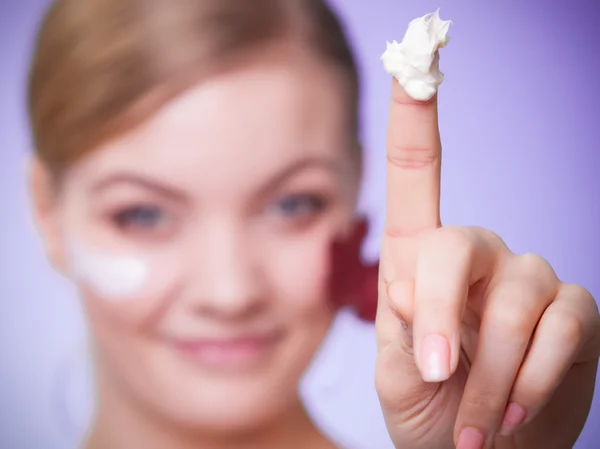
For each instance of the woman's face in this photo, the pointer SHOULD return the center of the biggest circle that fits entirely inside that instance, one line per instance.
(200, 241)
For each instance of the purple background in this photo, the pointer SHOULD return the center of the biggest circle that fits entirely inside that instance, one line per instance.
(520, 129)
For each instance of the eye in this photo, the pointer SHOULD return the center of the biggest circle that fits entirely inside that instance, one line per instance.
(299, 207)
(144, 218)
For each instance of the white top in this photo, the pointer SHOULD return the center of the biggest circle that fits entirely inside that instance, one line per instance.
(338, 388)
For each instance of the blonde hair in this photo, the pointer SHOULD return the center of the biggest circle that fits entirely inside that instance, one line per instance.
(100, 67)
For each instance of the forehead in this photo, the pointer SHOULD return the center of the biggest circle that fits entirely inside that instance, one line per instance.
(249, 121)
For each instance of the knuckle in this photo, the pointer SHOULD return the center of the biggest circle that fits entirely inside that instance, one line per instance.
(509, 314)
(411, 157)
(406, 233)
(482, 399)
(566, 326)
(452, 240)
(491, 239)
(485, 233)
(530, 390)
(535, 266)
(582, 294)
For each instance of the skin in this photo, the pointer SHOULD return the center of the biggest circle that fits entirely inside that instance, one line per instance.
(516, 347)
(243, 183)
(515, 334)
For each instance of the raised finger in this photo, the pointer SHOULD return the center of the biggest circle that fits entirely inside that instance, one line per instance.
(413, 152)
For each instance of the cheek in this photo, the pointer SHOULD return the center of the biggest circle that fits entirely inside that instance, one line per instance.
(300, 271)
(124, 282)
(129, 288)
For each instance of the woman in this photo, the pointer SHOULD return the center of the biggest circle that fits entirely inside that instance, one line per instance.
(197, 167)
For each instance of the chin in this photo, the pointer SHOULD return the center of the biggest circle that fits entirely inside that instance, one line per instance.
(193, 397)
(229, 407)
(199, 398)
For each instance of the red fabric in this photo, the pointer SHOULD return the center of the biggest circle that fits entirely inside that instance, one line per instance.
(352, 282)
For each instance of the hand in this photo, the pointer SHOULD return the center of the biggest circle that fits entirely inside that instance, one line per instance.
(478, 347)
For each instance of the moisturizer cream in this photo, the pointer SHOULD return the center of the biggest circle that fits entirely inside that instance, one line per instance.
(414, 62)
(113, 277)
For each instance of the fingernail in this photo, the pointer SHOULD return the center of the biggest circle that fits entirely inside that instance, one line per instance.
(470, 438)
(513, 418)
(435, 358)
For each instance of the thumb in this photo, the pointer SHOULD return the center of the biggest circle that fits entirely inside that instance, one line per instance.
(399, 383)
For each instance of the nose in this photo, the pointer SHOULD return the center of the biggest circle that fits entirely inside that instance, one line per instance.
(225, 274)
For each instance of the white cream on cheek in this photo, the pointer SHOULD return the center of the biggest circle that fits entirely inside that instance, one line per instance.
(111, 277)
(414, 62)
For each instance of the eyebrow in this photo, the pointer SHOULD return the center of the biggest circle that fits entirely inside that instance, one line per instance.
(177, 195)
(298, 166)
(139, 181)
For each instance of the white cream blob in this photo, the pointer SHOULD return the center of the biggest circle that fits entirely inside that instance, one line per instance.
(112, 277)
(414, 62)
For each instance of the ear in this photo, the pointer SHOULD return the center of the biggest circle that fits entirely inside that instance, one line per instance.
(44, 196)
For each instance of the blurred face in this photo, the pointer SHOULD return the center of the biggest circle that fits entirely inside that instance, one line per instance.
(200, 241)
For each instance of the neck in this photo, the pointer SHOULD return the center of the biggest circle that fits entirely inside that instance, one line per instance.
(121, 423)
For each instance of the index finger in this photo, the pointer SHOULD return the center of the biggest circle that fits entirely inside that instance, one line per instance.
(413, 146)
(413, 152)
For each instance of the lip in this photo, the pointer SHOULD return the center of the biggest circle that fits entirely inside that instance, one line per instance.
(233, 353)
